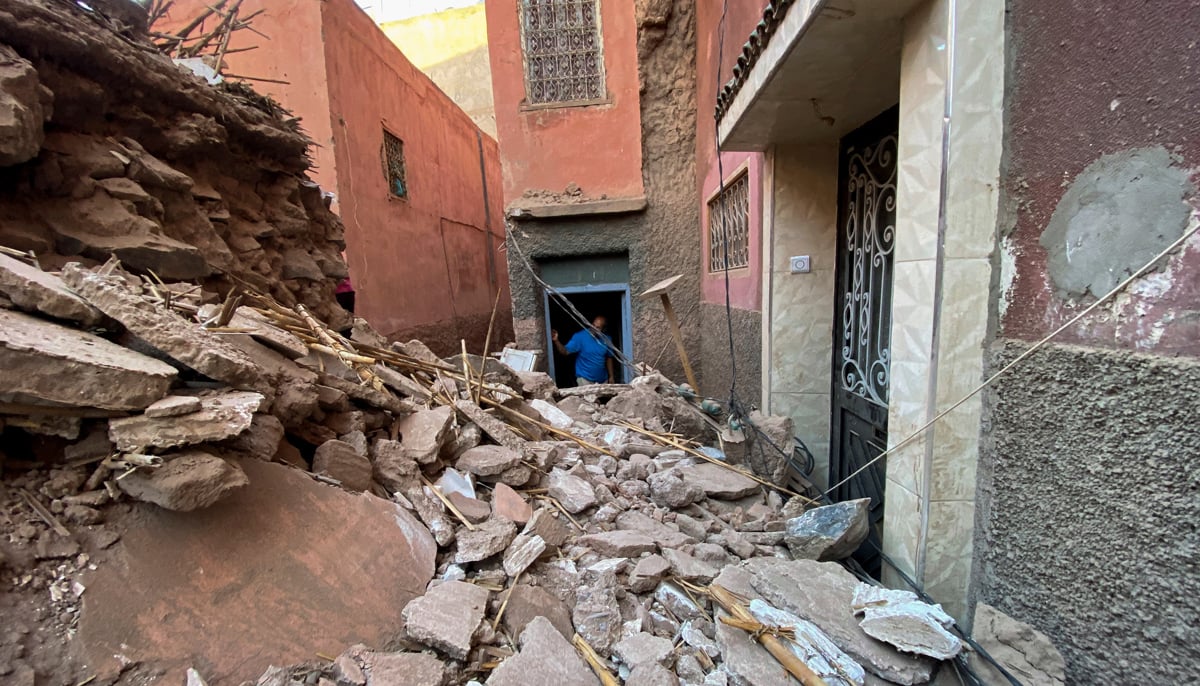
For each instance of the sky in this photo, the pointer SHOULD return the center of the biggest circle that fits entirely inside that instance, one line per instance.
(393, 10)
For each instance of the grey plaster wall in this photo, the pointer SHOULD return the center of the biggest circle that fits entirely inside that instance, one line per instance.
(663, 240)
(1089, 505)
(747, 345)
(1120, 212)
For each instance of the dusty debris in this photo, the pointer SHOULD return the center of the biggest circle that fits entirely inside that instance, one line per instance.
(221, 416)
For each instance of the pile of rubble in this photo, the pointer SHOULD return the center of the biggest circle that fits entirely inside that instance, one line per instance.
(107, 147)
(599, 516)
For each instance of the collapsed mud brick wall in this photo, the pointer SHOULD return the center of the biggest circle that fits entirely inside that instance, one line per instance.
(108, 148)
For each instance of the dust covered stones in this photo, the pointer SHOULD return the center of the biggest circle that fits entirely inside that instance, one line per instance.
(446, 617)
(186, 481)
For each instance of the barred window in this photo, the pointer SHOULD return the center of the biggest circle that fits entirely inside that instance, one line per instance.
(729, 220)
(563, 51)
(392, 154)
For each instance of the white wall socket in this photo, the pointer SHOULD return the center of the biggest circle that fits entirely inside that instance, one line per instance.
(800, 264)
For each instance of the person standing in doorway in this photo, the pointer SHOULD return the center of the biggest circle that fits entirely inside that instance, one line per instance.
(593, 350)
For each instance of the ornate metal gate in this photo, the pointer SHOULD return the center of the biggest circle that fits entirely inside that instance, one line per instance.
(863, 317)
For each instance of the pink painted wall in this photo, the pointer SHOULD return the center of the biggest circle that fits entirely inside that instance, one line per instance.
(426, 266)
(597, 147)
(745, 285)
(741, 16)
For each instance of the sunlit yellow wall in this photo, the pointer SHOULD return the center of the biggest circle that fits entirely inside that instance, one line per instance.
(451, 48)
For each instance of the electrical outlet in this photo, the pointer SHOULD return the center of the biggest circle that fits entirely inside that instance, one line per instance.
(801, 264)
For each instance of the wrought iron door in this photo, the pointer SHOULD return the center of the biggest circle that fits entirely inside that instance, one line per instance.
(863, 318)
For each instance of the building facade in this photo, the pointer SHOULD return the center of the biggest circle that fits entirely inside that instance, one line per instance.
(595, 114)
(450, 47)
(417, 183)
(945, 183)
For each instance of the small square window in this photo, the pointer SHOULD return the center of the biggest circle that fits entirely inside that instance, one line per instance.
(392, 154)
(729, 221)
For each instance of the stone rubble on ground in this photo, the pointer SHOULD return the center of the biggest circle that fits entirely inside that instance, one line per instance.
(587, 528)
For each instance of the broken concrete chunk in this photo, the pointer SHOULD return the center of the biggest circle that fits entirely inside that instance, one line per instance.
(186, 481)
(546, 523)
(551, 414)
(597, 615)
(523, 552)
(528, 602)
(393, 466)
(488, 539)
(643, 648)
(669, 489)
(719, 482)
(192, 345)
(689, 568)
(340, 460)
(473, 509)
(38, 358)
(510, 505)
(404, 669)
(173, 406)
(651, 674)
(445, 618)
(488, 460)
(221, 416)
(831, 532)
(537, 385)
(575, 494)
(619, 543)
(545, 658)
(491, 426)
(34, 290)
(648, 572)
(423, 433)
(1023, 651)
(903, 620)
(665, 535)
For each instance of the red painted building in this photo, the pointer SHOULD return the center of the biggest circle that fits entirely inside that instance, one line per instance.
(417, 184)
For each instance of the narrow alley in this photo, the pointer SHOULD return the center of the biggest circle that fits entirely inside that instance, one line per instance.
(599, 342)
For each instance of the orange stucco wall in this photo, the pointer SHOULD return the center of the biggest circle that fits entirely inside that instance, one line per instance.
(427, 266)
(740, 18)
(597, 147)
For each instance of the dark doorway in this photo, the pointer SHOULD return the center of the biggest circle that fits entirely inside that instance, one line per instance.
(610, 303)
(863, 319)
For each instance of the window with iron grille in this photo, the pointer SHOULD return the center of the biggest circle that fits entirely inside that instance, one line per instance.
(563, 51)
(729, 220)
(392, 154)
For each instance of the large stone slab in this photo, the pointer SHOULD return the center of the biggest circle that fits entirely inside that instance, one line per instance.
(252, 580)
(831, 532)
(34, 290)
(168, 332)
(545, 658)
(221, 416)
(53, 364)
(719, 482)
(822, 593)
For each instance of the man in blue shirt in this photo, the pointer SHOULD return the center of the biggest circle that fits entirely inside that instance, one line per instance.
(594, 361)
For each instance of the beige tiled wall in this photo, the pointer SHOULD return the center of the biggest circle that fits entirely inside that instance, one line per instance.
(801, 305)
(942, 287)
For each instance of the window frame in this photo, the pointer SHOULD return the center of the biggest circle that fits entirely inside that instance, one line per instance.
(604, 99)
(739, 175)
(387, 170)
